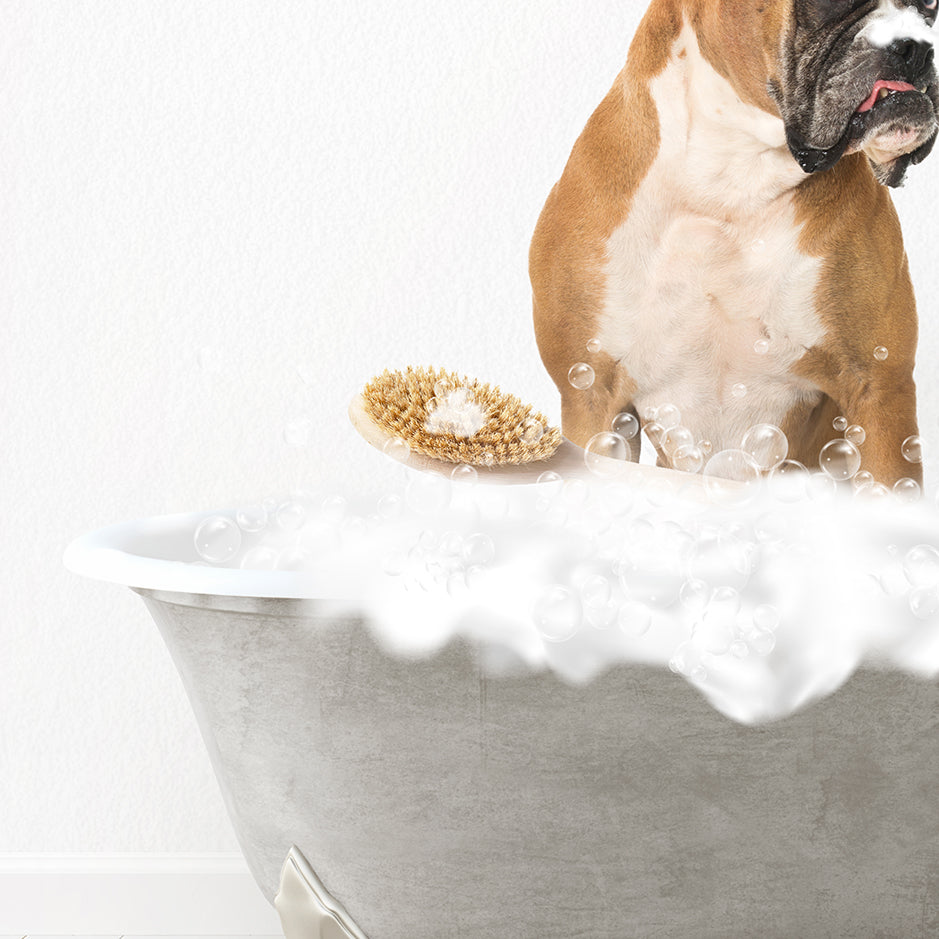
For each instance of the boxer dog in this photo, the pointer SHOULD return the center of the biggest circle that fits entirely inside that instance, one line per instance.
(722, 233)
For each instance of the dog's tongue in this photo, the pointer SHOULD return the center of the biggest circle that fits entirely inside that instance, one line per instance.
(878, 86)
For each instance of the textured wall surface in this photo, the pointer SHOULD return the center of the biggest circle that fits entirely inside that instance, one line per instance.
(220, 218)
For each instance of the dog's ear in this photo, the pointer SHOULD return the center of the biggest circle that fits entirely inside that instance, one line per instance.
(893, 173)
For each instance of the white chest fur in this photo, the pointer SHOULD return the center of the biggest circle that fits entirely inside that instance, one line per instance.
(709, 301)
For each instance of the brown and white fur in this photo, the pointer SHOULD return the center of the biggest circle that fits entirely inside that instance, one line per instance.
(730, 189)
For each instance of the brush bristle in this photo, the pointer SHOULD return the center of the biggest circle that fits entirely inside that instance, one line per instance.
(401, 403)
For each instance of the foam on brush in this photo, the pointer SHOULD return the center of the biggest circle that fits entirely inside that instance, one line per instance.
(438, 413)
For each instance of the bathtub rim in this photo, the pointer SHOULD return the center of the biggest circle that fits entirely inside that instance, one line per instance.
(126, 553)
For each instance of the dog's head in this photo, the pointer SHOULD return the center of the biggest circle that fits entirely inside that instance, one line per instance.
(859, 75)
(844, 75)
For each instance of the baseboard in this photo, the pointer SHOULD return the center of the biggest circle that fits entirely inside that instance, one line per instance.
(136, 894)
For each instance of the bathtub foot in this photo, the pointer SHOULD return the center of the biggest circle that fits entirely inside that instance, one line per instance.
(306, 909)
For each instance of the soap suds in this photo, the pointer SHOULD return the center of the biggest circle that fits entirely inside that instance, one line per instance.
(763, 604)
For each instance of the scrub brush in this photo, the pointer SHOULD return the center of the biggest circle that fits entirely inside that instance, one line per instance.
(457, 419)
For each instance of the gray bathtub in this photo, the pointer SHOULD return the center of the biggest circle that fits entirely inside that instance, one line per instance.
(423, 799)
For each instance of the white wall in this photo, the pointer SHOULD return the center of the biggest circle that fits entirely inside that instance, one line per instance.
(218, 217)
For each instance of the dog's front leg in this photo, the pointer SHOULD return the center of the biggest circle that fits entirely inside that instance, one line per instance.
(589, 402)
(881, 400)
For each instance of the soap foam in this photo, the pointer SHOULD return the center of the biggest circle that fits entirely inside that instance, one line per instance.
(763, 604)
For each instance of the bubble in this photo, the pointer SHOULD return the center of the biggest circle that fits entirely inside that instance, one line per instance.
(761, 641)
(761, 346)
(856, 434)
(259, 558)
(921, 566)
(655, 432)
(550, 478)
(694, 595)
(634, 619)
(839, 459)
(907, 490)
(390, 505)
(677, 437)
(649, 412)
(726, 598)
(688, 459)
(427, 539)
(397, 448)
(217, 539)
(251, 517)
(924, 602)
(653, 577)
(685, 660)
(427, 493)
(739, 390)
(766, 444)
(757, 245)
(596, 590)
(880, 353)
(298, 431)
(602, 615)
(739, 649)
(912, 449)
(605, 452)
(451, 543)
(557, 613)
(668, 416)
(478, 549)
(530, 431)
(727, 468)
(788, 480)
(443, 387)
(626, 425)
(862, 480)
(457, 587)
(594, 345)
(766, 617)
(290, 515)
(464, 473)
(581, 376)
(706, 447)
(840, 424)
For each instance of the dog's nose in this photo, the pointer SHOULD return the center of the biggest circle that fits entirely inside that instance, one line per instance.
(911, 55)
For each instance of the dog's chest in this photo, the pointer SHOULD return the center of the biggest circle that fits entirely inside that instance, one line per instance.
(709, 302)
(710, 316)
